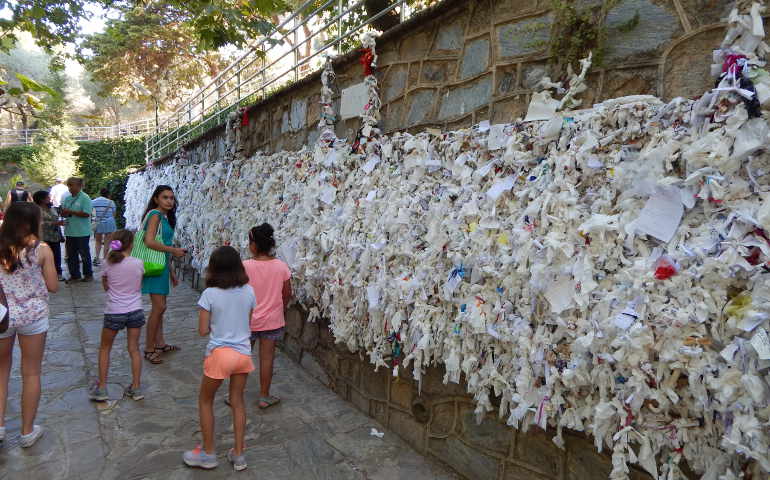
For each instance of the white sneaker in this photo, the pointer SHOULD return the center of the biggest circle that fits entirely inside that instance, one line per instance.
(2, 434)
(29, 439)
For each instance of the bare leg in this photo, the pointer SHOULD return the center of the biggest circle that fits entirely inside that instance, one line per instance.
(266, 355)
(154, 322)
(136, 359)
(237, 386)
(108, 337)
(107, 240)
(32, 348)
(6, 360)
(99, 241)
(209, 387)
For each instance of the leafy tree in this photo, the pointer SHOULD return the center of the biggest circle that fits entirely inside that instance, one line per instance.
(150, 54)
(51, 22)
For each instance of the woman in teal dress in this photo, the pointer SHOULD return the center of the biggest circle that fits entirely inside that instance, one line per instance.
(160, 213)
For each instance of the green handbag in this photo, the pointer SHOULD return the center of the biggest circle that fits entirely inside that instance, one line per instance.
(154, 261)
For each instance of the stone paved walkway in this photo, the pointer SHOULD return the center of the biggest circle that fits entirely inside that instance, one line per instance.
(312, 434)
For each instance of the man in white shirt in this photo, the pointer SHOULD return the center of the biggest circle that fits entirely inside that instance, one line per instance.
(58, 192)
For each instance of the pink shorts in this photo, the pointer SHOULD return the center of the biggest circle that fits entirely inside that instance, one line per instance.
(224, 361)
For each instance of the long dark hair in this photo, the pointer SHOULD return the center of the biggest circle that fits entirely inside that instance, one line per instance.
(153, 204)
(225, 269)
(126, 240)
(39, 196)
(262, 238)
(22, 219)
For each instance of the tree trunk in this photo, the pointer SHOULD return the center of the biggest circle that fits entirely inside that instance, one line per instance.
(385, 22)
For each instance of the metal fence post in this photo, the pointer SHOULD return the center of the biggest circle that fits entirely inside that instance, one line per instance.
(296, 51)
(339, 27)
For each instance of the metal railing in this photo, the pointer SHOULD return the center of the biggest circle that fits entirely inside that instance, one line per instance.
(292, 51)
(11, 138)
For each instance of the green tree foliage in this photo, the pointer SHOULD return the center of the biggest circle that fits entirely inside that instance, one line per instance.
(51, 22)
(54, 157)
(107, 164)
(153, 47)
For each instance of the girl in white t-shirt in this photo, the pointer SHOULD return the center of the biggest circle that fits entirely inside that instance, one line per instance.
(225, 309)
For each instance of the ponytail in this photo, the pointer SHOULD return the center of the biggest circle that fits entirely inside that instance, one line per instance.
(262, 238)
(121, 241)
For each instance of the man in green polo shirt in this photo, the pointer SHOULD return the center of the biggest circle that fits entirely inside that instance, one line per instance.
(77, 208)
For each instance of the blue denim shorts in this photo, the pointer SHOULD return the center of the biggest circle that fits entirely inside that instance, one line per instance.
(274, 335)
(119, 321)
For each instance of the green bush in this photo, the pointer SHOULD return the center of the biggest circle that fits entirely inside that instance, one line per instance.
(17, 155)
(107, 164)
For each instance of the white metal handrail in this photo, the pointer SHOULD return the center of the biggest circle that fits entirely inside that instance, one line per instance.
(246, 80)
(11, 137)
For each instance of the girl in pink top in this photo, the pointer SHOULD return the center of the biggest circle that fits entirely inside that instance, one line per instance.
(269, 277)
(122, 280)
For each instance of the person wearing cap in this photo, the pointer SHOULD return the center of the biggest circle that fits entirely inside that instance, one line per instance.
(78, 208)
(58, 192)
(18, 194)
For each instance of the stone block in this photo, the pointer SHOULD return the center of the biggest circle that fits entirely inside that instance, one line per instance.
(394, 83)
(583, 461)
(401, 393)
(706, 12)
(517, 472)
(686, 70)
(407, 428)
(637, 81)
(293, 348)
(468, 461)
(387, 53)
(442, 419)
(359, 400)
(294, 322)
(414, 75)
(464, 99)
(513, 8)
(313, 110)
(433, 384)
(415, 46)
(437, 71)
(420, 106)
(350, 370)
(375, 384)
(506, 79)
(536, 450)
(475, 58)
(379, 411)
(311, 365)
(392, 117)
(490, 434)
(449, 38)
(298, 114)
(508, 110)
(655, 25)
(481, 18)
(310, 335)
(523, 37)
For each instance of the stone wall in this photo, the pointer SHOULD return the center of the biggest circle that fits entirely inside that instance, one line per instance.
(467, 61)
(439, 420)
(453, 66)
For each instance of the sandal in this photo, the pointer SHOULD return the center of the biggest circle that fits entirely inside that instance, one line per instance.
(153, 357)
(266, 402)
(167, 348)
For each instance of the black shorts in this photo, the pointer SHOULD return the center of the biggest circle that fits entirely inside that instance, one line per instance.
(275, 335)
(119, 321)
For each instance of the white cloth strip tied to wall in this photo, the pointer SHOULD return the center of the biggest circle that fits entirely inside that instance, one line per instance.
(608, 275)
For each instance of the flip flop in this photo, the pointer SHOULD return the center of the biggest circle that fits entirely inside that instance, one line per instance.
(268, 402)
(153, 357)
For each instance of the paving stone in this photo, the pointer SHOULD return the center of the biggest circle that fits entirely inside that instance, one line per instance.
(124, 439)
(475, 58)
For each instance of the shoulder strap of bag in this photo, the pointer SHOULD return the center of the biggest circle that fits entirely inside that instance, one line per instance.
(147, 219)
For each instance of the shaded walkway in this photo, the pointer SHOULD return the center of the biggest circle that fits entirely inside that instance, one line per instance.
(312, 434)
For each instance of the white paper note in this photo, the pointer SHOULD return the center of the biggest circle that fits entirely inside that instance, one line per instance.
(497, 138)
(541, 107)
(373, 296)
(327, 194)
(559, 294)
(370, 164)
(353, 101)
(761, 343)
(501, 186)
(662, 214)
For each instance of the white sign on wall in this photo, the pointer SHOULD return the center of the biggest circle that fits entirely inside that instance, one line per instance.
(353, 101)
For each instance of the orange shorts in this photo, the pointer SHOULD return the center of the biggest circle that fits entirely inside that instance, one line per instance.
(224, 361)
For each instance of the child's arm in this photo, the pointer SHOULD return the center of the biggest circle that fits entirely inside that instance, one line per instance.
(204, 322)
(104, 282)
(286, 293)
